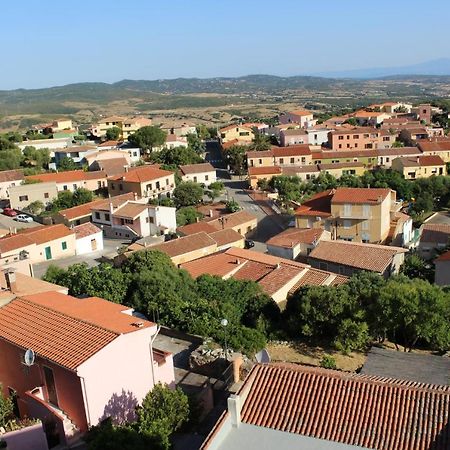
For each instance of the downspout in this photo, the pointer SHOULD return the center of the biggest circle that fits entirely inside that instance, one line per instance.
(85, 400)
(151, 353)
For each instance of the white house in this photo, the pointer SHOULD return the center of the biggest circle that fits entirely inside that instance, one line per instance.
(203, 173)
(88, 238)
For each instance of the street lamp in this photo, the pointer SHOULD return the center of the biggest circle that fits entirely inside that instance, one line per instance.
(224, 323)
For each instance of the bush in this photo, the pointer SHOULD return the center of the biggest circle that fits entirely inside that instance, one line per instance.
(328, 362)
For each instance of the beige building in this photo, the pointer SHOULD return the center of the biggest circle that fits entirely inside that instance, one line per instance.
(126, 125)
(301, 116)
(145, 181)
(21, 196)
(238, 133)
(420, 166)
(9, 179)
(260, 159)
(203, 173)
(437, 146)
(351, 214)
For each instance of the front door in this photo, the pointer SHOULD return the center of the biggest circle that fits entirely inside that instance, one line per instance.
(48, 253)
(51, 387)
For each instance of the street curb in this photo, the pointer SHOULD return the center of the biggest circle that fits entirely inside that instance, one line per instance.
(429, 218)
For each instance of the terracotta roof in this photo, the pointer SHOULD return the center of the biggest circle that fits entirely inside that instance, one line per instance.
(13, 242)
(117, 201)
(11, 175)
(293, 236)
(66, 177)
(80, 211)
(175, 138)
(27, 285)
(112, 166)
(260, 154)
(438, 233)
(424, 160)
(434, 145)
(197, 168)
(141, 174)
(292, 150)
(339, 279)
(318, 205)
(85, 229)
(294, 132)
(196, 227)
(313, 277)
(444, 257)
(295, 170)
(186, 244)
(109, 144)
(233, 220)
(217, 209)
(264, 170)
(225, 237)
(367, 411)
(418, 130)
(400, 151)
(218, 264)
(46, 233)
(227, 145)
(371, 257)
(231, 127)
(360, 195)
(368, 113)
(131, 210)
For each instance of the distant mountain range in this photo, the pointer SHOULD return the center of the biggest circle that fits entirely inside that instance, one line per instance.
(437, 67)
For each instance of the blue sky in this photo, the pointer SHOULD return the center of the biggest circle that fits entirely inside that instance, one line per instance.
(47, 43)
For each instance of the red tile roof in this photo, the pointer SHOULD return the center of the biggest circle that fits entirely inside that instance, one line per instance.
(293, 236)
(141, 174)
(301, 112)
(318, 205)
(367, 411)
(80, 211)
(232, 220)
(196, 227)
(197, 168)
(292, 150)
(185, 244)
(46, 233)
(68, 176)
(428, 146)
(14, 242)
(264, 170)
(260, 154)
(112, 166)
(438, 233)
(85, 229)
(360, 195)
(11, 175)
(131, 210)
(227, 236)
(313, 277)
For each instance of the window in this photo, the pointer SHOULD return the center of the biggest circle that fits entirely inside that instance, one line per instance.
(347, 224)
(341, 138)
(292, 160)
(113, 187)
(356, 136)
(385, 138)
(340, 145)
(281, 160)
(120, 187)
(348, 145)
(365, 225)
(347, 209)
(366, 136)
(206, 177)
(348, 136)
(167, 182)
(107, 217)
(149, 219)
(64, 245)
(99, 184)
(158, 185)
(366, 210)
(23, 198)
(74, 186)
(356, 145)
(244, 133)
(65, 187)
(323, 266)
(303, 160)
(260, 161)
(148, 187)
(97, 215)
(46, 195)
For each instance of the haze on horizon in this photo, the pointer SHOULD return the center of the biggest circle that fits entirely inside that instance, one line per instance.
(46, 45)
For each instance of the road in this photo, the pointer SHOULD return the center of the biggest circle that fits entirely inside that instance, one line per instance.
(7, 222)
(441, 217)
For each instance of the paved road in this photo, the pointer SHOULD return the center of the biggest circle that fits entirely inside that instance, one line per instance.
(441, 217)
(214, 155)
(7, 222)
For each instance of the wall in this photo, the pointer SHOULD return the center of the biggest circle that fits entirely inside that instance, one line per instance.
(56, 248)
(29, 438)
(235, 133)
(190, 256)
(205, 178)
(357, 140)
(264, 161)
(283, 252)
(166, 216)
(44, 192)
(442, 275)
(6, 185)
(84, 245)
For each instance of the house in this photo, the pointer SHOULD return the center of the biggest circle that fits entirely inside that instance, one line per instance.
(367, 157)
(238, 133)
(126, 125)
(442, 269)
(71, 180)
(133, 124)
(263, 158)
(88, 238)
(88, 359)
(301, 116)
(148, 181)
(181, 130)
(174, 141)
(370, 118)
(353, 214)
(423, 113)
(51, 144)
(295, 242)
(22, 195)
(9, 179)
(96, 159)
(119, 218)
(78, 153)
(387, 155)
(416, 167)
(389, 138)
(438, 147)
(343, 168)
(317, 135)
(256, 174)
(241, 221)
(359, 138)
(305, 173)
(347, 258)
(401, 231)
(278, 277)
(54, 126)
(294, 155)
(293, 136)
(112, 166)
(434, 237)
(203, 173)
(287, 406)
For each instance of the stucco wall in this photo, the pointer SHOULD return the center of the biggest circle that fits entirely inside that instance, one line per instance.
(84, 245)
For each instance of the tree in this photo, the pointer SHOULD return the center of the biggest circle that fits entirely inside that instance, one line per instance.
(352, 121)
(237, 161)
(64, 200)
(405, 138)
(187, 215)
(113, 133)
(195, 143)
(416, 267)
(36, 207)
(187, 193)
(352, 335)
(82, 196)
(67, 163)
(215, 189)
(148, 137)
(176, 156)
(203, 132)
(232, 206)
(260, 142)
(163, 411)
(6, 409)
(10, 158)
(39, 158)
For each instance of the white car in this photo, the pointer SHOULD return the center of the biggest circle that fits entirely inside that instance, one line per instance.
(23, 218)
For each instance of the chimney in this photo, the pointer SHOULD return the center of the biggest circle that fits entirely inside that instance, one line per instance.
(210, 213)
(238, 261)
(135, 196)
(125, 168)
(237, 363)
(10, 277)
(234, 409)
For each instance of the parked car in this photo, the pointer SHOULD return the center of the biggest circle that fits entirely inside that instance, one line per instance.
(9, 212)
(23, 218)
(249, 243)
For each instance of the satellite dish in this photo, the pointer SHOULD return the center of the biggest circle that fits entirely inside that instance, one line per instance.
(28, 358)
(263, 356)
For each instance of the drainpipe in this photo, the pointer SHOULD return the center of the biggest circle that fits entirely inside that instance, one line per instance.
(152, 339)
(85, 400)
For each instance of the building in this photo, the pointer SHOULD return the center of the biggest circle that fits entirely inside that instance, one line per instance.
(126, 125)
(416, 167)
(434, 237)
(174, 141)
(203, 173)
(438, 147)
(263, 158)
(92, 359)
(370, 118)
(51, 144)
(256, 174)
(360, 138)
(423, 113)
(387, 155)
(119, 218)
(295, 242)
(238, 133)
(9, 179)
(293, 136)
(71, 180)
(21, 196)
(300, 116)
(367, 157)
(88, 238)
(78, 153)
(442, 269)
(179, 130)
(278, 277)
(96, 160)
(343, 168)
(145, 181)
(353, 214)
(287, 406)
(294, 155)
(317, 136)
(401, 233)
(347, 258)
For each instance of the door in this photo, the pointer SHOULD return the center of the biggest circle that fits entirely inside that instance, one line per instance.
(48, 253)
(93, 244)
(50, 384)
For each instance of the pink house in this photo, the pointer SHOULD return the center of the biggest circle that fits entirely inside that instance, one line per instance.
(92, 359)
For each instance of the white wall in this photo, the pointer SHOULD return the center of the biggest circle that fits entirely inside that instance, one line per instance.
(84, 245)
(166, 216)
(201, 177)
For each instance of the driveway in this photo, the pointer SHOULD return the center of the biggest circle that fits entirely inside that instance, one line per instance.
(441, 217)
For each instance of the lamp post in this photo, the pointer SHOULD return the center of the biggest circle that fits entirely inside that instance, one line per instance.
(224, 323)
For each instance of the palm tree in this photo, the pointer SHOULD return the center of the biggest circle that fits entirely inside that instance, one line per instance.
(260, 142)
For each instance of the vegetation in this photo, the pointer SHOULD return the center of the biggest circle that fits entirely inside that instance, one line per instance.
(6, 409)
(67, 163)
(178, 156)
(215, 189)
(232, 206)
(37, 158)
(236, 159)
(417, 267)
(148, 137)
(113, 133)
(260, 142)
(188, 193)
(187, 215)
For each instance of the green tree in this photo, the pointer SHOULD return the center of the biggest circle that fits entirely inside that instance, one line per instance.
(187, 215)
(39, 158)
(67, 163)
(416, 267)
(195, 143)
(215, 189)
(260, 142)
(10, 158)
(352, 121)
(36, 207)
(236, 159)
(113, 133)
(203, 132)
(163, 411)
(64, 200)
(6, 409)
(188, 193)
(232, 206)
(352, 335)
(82, 196)
(176, 156)
(148, 137)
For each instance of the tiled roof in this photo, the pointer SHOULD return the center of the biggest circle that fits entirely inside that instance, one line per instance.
(438, 233)
(186, 244)
(371, 257)
(225, 237)
(400, 151)
(27, 285)
(335, 154)
(260, 154)
(66, 177)
(293, 236)
(231, 127)
(264, 170)
(14, 242)
(11, 175)
(131, 210)
(368, 411)
(444, 257)
(196, 227)
(46, 233)
(197, 168)
(360, 195)
(216, 209)
(117, 201)
(294, 132)
(112, 166)
(218, 264)
(109, 144)
(85, 229)
(318, 205)
(434, 145)
(141, 174)
(233, 220)
(292, 150)
(80, 211)
(313, 277)
(295, 170)
(76, 149)
(425, 161)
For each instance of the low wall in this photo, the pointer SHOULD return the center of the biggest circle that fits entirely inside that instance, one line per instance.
(29, 438)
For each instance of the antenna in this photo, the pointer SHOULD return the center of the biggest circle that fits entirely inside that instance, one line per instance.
(29, 357)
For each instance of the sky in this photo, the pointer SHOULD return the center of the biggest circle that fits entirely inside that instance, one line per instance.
(49, 43)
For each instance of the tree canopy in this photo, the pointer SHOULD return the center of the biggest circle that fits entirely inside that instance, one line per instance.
(113, 133)
(148, 137)
(188, 193)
